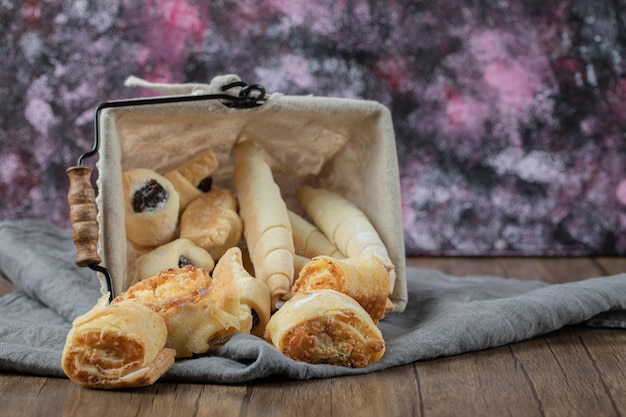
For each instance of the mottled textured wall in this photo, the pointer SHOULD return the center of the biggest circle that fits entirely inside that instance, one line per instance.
(510, 116)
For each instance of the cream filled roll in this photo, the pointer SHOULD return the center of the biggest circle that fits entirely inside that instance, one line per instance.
(345, 225)
(267, 229)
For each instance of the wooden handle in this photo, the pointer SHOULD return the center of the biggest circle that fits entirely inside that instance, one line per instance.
(82, 199)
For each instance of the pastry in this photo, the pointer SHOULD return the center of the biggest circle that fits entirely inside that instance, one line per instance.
(239, 293)
(325, 327)
(298, 263)
(181, 297)
(308, 240)
(267, 230)
(175, 254)
(363, 277)
(345, 225)
(117, 346)
(211, 222)
(151, 206)
(193, 178)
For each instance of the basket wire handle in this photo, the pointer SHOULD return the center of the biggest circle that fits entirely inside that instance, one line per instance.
(81, 195)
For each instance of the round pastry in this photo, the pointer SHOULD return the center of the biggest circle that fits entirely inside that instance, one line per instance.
(193, 178)
(117, 346)
(151, 206)
(325, 326)
(211, 222)
(364, 278)
(175, 254)
(181, 296)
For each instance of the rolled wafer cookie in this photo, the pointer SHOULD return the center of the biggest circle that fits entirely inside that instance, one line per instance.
(193, 178)
(309, 241)
(267, 230)
(345, 225)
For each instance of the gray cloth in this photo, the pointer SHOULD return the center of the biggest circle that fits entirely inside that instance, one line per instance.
(445, 315)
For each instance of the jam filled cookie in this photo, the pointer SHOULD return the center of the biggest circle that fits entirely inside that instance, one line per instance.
(176, 254)
(151, 205)
(193, 178)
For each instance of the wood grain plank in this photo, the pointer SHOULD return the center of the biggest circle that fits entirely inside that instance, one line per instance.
(560, 360)
(606, 349)
(392, 392)
(461, 266)
(611, 266)
(552, 270)
(485, 383)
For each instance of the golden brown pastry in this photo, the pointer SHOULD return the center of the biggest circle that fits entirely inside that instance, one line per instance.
(239, 293)
(151, 206)
(267, 230)
(175, 254)
(345, 225)
(181, 297)
(117, 346)
(325, 326)
(309, 241)
(364, 278)
(193, 178)
(211, 222)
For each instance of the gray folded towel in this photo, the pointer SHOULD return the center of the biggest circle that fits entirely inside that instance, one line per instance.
(445, 315)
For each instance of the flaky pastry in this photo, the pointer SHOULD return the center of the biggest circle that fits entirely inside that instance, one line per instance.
(240, 294)
(211, 221)
(363, 277)
(181, 297)
(120, 345)
(193, 177)
(267, 230)
(325, 326)
(345, 225)
(308, 240)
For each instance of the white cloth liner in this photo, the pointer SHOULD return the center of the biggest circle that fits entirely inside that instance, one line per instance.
(345, 145)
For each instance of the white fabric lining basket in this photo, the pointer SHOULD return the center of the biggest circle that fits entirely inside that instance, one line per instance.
(344, 145)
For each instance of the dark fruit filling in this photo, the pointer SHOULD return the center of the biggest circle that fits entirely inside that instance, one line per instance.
(206, 184)
(255, 318)
(148, 197)
(183, 261)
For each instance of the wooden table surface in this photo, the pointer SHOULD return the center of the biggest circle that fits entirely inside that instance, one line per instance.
(575, 371)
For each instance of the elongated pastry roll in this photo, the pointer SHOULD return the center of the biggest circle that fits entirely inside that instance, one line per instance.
(267, 229)
(211, 222)
(363, 277)
(175, 254)
(239, 293)
(193, 178)
(117, 346)
(309, 241)
(151, 206)
(181, 297)
(345, 225)
(325, 326)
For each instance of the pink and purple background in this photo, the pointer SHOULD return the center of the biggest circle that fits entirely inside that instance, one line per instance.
(510, 116)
